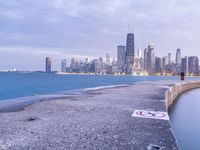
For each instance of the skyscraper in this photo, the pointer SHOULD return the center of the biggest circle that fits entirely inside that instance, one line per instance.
(164, 63)
(150, 59)
(121, 55)
(139, 53)
(130, 48)
(108, 58)
(184, 65)
(145, 58)
(178, 57)
(169, 58)
(48, 65)
(193, 65)
(158, 65)
(63, 65)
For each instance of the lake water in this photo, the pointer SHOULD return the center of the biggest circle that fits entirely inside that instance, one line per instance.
(185, 120)
(14, 85)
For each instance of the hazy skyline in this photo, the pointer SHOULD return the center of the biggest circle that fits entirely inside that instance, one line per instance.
(33, 29)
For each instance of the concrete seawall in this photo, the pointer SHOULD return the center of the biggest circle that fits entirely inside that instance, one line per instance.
(173, 92)
(131, 117)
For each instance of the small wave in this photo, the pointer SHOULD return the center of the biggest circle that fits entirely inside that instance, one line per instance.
(103, 87)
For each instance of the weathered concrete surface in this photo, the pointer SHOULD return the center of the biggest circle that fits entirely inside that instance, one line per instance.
(99, 119)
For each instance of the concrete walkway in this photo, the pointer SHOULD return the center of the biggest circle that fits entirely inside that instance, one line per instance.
(99, 119)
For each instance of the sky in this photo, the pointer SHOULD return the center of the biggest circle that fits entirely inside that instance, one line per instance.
(31, 30)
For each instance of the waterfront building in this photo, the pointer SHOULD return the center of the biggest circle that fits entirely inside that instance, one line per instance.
(139, 53)
(150, 59)
(169, 58)
(193, 65)
(178, 56)
(164, 63)
(63, 65)
(169, 69)
(184, 65)
(130, 48)
(72, 64)
(158, 65)
(121, 55)
(145, 58)
(48, 65)
(101, 65)
(108, 58)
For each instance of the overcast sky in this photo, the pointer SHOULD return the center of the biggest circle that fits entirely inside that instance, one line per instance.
(30, 30)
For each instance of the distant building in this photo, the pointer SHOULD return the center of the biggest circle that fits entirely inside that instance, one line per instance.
(158, 65)
(108, 58)
(139, 53)
(150, 59)
(169, 58)
(193, 65)
(63, 65)
(72, 64)
(178, 56)
(145, 58)
(184, 65)
(48, 65)
(169, 69)
(121, 55)
(130, 48)
(164, 63)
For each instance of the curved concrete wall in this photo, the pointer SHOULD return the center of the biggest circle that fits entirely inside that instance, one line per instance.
(173, 92)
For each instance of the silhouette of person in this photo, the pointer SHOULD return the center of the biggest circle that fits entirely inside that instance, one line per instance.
(182, 75)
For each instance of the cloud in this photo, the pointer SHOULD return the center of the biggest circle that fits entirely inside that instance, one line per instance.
(91, 27)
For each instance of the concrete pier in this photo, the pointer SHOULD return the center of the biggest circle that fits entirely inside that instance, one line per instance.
(132, 117)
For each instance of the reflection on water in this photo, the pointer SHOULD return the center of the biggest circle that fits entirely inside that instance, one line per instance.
(185, 120)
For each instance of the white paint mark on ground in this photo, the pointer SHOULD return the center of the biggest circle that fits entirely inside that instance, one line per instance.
(151, 114)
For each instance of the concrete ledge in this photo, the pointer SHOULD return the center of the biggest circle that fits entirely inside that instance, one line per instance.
(173, 92)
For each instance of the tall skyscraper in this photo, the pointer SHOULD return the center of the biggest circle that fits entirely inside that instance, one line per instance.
(184, 65)
(169, 58)
(63, 65)
(48, 65)
(121, 55)
(150, 59)
(193, 65)
(145, 58)
(72, 65)
(108, 58)
(164, 63)
(139, 53)
(178, 56)
(130, 48)
(158, 65)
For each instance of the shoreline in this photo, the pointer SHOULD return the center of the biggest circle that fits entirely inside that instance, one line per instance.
(98, 119)
(111, 118)
(19, 103)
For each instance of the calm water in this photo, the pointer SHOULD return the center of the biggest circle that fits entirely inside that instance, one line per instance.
(185, 119)
(14, 85)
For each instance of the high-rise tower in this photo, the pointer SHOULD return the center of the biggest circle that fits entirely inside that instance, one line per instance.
(130, 48)
(48, 65)
(63, 65)
(169, 58)
(178, 56)
(150, 59)
(121, 52)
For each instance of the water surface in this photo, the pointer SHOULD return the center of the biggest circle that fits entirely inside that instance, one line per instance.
(14, 85)
(185, 120)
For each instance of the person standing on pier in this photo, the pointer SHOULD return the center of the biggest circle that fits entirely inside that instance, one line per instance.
(182, 75)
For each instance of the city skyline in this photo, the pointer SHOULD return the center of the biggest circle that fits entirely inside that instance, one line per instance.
(63, 29)
(133, 62)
